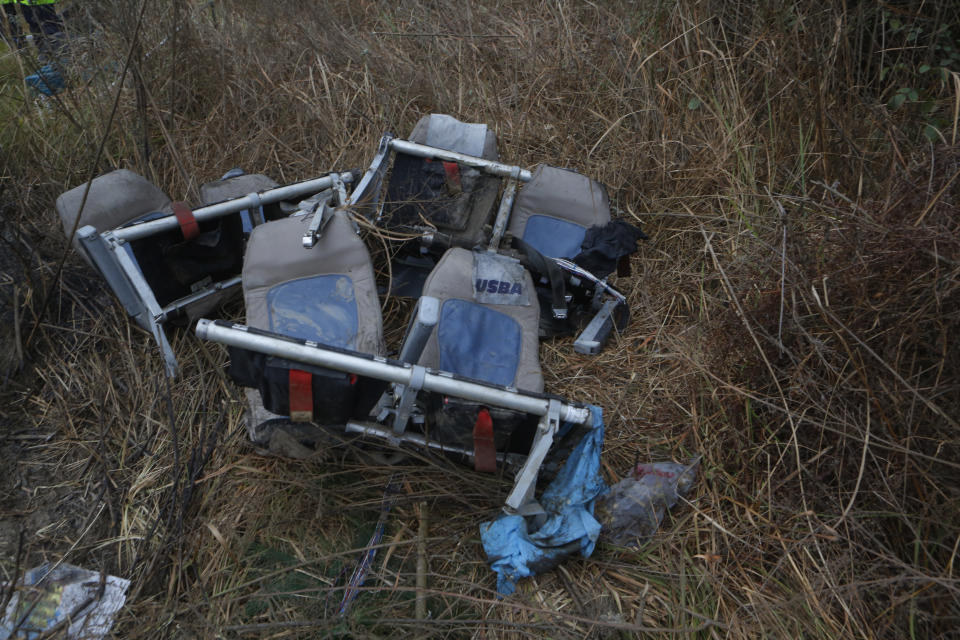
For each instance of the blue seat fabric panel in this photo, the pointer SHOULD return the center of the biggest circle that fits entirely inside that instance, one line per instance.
(553, 237)
(320, 308)
(478, 342)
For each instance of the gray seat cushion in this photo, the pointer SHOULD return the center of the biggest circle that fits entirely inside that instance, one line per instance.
(173, 268)
(326, 293)
(446, 132)
(115, 198)
(553, 211)
(496, 343)
(235, 187)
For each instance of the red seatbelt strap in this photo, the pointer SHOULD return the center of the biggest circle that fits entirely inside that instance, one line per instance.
(301, 396)
(452, 172)
(484, 451)
(188, 224)
(452, 169)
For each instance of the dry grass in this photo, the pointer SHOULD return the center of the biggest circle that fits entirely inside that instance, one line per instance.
(794, 318)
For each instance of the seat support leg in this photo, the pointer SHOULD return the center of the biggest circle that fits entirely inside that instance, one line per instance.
(525, 486)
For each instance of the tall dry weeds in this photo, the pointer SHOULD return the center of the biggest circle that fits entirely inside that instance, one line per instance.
(793, 316)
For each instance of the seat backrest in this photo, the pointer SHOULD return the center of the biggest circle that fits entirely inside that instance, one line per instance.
(487, 331)
(489, 315)
(553, 211)
(115, 199)
(236, 185)
(446, 132)
(172, 266)
(326, 293)
(455, 199)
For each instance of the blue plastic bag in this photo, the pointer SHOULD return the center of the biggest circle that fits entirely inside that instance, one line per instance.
(515, 552)
(46, 81)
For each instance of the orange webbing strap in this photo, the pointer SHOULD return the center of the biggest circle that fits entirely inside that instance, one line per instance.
(452, 169)
(188, 224)
(484, 450)
(301, 396)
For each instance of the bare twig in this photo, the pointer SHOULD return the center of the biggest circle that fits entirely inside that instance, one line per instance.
(422, 533)
(400, 34)
(94, 169)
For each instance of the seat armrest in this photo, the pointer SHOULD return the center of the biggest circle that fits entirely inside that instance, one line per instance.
(595, 335)
(425, 317)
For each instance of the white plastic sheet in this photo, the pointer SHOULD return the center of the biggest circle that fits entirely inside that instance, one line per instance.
(51, 595)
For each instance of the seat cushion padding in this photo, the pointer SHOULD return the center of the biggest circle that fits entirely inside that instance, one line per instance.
(235, 187)
(554, 209)
(478, 342)
(115, 198)
(446, 132)
(477, 353)
(326, 293)
(553, 237)
(321, 308)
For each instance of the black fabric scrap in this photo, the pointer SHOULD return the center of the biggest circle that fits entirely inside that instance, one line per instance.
(604, 245)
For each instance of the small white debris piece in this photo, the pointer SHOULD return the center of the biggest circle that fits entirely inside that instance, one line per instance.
(59, 595)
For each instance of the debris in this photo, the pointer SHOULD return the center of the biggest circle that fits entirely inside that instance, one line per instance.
(47, 81)
(53, 597)
(359, 575)
(421, 602)
(283, 444)
(605, 245)
(633, 509)
(515, 551)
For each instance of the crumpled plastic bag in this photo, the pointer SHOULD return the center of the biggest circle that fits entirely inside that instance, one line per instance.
(631, 512)
(515, 551)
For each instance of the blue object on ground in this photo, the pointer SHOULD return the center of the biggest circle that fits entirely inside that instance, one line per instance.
(47, 81)
(516, 552)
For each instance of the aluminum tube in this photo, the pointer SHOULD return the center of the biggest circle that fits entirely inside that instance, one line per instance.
(238, 336)
(98, 251)
(412, 438)
(489, 166)
(512, 459)
(426, 316)
(577, 270)
(227, 207)
(503, 215)
(217, 287)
